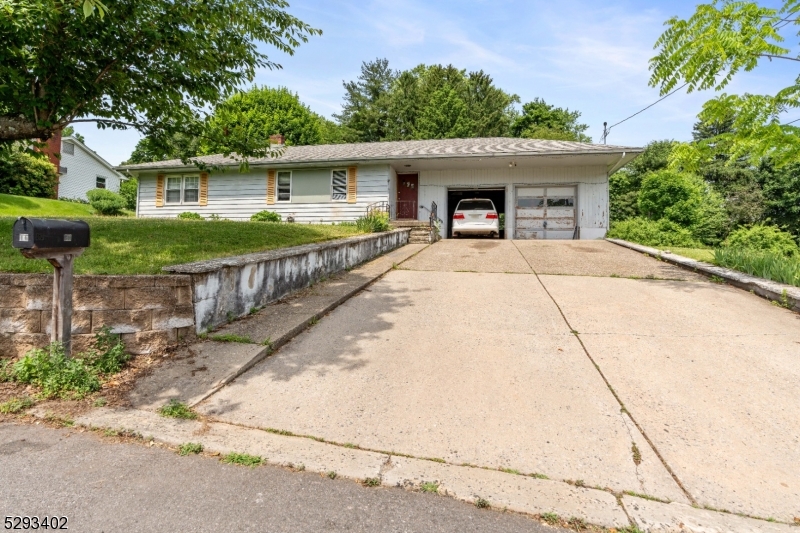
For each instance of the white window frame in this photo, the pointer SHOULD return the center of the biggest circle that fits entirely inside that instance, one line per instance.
(278, 186)
(345, 185)
(97, 182)
(182, 189)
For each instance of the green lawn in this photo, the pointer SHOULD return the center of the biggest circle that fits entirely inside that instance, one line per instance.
(143, 246)
(22, 206)
(698, 254)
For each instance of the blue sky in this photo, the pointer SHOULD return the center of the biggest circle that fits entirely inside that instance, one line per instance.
(585, 55)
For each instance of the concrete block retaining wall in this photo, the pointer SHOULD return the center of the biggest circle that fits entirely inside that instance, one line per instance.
(230, 287)
(150, 312)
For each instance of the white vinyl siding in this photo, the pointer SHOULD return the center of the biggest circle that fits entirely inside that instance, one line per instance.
(284, 186)
(237, 196)
(339, 185)
(591, 183)
(84, 170)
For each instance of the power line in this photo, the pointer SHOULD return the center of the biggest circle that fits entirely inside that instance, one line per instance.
(607, 130)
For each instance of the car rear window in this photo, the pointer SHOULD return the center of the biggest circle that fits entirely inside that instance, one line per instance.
(475, 205)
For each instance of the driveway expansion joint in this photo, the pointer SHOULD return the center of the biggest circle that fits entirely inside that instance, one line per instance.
(623, 409)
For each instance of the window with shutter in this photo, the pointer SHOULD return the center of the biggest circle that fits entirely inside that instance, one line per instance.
(339, 185)
(284, 186)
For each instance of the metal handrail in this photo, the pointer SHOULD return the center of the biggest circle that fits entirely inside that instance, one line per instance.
(380, 207)
(434, 214)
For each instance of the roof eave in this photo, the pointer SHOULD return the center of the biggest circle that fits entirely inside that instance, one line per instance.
(386, 159)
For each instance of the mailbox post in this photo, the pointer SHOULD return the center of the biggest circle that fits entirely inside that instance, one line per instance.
(60, 242)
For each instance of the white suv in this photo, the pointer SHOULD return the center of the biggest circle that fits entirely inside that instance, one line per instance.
(476, 216)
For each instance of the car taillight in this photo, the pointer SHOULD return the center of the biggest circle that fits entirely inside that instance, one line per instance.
(458, 216)
(491, 215)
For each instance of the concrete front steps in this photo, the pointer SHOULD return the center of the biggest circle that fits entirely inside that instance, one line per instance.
(421, 232)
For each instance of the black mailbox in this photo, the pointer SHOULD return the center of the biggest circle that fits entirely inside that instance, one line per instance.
(38, 233)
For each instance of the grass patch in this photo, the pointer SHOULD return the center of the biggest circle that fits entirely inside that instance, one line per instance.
(190, 448)
(372, 482)
(430, 487)
(511, 471)
(177, 409)
(637, 455)
(644, 496)
(231, 337)
(331, 474)
(143, 246)
(480, 503)
(538, 476)
(551, 518)
(243, 459)
(24, 206)
(768, 265)
(578, 524)
(698, 254)
(15, 405)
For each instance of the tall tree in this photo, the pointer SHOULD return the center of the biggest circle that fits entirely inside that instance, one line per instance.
(706, 51)
(624, 184)
(151, 65)
(540, 120)
(365, 112)
(426, 102)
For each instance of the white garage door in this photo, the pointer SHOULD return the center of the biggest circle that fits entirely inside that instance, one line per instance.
(545, 213)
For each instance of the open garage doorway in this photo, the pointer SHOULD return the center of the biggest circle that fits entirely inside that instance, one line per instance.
(496, 195)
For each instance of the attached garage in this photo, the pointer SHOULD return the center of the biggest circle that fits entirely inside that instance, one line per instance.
(546, 213)
(456, 194)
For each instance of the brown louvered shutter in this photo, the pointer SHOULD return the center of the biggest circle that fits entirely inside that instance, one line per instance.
(352, 178)
(160, 190)
(203, 188)
(270, 186)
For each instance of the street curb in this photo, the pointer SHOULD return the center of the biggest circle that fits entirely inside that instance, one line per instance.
(501, 490)
(770, 290)
(294, 332)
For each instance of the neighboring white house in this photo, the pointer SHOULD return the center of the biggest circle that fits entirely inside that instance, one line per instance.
(545, 189)
(81, 170)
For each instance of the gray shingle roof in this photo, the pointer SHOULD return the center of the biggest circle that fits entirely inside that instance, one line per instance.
(393, 150)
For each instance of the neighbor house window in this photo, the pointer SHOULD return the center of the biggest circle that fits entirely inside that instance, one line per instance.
(67, 148)
(285, 186)
(339, 185)
(100, 183)
(183, 190)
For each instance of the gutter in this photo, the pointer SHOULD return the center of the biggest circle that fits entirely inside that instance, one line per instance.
(386, 159)
(618, 164)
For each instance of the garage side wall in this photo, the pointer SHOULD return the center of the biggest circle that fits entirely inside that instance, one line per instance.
(591, 182)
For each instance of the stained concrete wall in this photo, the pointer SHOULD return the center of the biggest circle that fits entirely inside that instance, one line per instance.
(151, 313)
(230, 287)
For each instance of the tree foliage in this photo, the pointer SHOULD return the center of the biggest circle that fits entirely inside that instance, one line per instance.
(129, 189)
(540, 120)
(426, 102)
(152, 65)
(250, 117)
(624, 185)
(706, 51)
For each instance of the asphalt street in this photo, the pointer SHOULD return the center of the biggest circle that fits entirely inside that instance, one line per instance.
(108, 487)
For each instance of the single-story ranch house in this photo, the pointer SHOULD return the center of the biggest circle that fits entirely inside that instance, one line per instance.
(546, 189)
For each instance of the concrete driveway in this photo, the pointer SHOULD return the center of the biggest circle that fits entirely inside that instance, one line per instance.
(580, 361)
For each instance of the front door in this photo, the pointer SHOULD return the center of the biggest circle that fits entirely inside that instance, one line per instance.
(545, 213)
(407, 196)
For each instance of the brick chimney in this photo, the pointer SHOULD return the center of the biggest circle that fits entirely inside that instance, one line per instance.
(277, 140)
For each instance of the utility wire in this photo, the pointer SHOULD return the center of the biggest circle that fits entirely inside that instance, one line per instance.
(607, 130)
